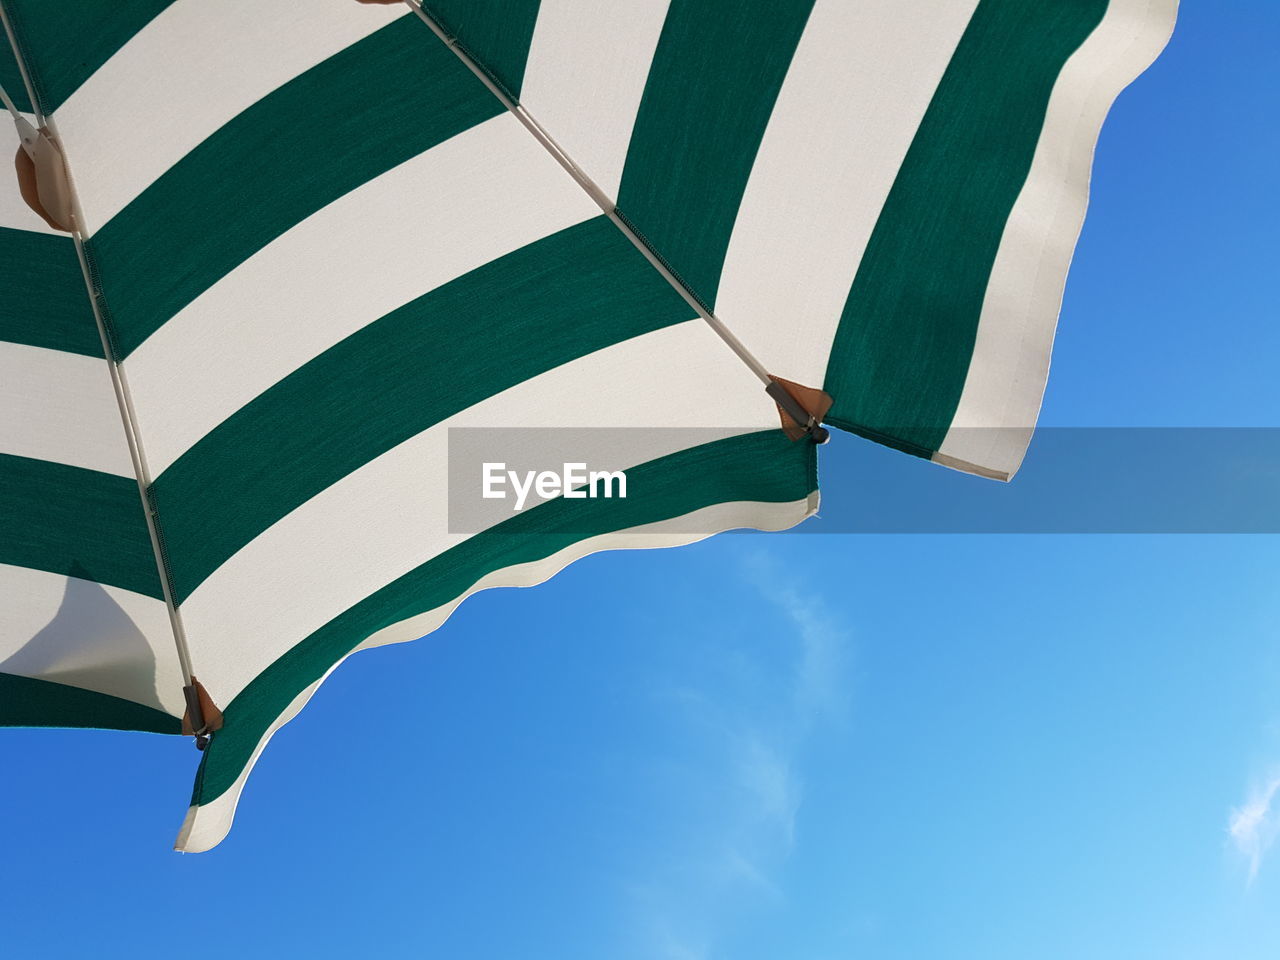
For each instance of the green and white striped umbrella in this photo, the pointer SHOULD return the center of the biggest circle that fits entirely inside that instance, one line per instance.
(309, 239)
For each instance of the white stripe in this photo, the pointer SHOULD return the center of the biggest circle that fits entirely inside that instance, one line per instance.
(206, 826)
(391, 515)
(587, 67)
(60, 406)
(88, 635)
(860, 82)
(14, 212)
(185, 74)
(482, 194)
(1002, 392)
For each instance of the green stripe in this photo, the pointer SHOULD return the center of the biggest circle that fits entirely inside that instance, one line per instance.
(714, 78)
(76, 522)
(494, 33)
(906, 335)
(11, 77)
(550, 302)
(28, 702)
(763, 467)
(43, 300)
(381, 101)
(64, 41)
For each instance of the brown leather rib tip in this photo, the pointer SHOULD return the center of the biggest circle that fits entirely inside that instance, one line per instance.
(212, 715)
(815, 401)
(30, 190)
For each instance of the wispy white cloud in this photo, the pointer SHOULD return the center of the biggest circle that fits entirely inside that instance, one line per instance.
(770, 786)
(817, 692)
(756, 732)
(1254, 825)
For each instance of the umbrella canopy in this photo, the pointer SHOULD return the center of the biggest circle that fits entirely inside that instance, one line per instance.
(313, 248)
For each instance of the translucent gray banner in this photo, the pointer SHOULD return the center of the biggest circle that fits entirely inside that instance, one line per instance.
(1074, 480)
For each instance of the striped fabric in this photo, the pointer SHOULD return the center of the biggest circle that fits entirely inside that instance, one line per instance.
(313, 238)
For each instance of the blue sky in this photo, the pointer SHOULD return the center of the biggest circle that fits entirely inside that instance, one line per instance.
(796, 746)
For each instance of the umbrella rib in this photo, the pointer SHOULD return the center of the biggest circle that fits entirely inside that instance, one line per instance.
(610, 208)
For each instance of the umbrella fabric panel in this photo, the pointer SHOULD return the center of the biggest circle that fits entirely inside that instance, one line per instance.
(901, 356)
(351, 539)
(391, 514)
(300, 342)
(1000, 401)
(759, 480)
(564, 294)
(849, 185)
(84, 636)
